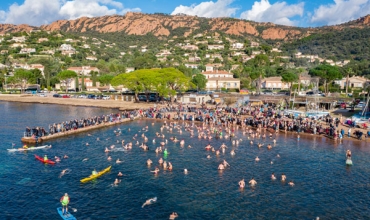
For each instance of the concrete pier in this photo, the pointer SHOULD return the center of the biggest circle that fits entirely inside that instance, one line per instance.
(31, 140)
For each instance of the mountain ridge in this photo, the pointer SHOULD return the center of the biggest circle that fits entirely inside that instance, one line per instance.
(163, 25)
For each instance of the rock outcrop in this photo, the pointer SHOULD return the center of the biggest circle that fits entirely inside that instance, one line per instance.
(162, 25)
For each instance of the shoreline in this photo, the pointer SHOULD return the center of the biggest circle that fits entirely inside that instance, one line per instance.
(123, 106)
(111, 104)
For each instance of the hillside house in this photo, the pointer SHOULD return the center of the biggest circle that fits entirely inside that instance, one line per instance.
(255, 44)
(29, 67)
(2, 52)
(40, 40)
(274, 83)
(68, 52)
(237, 46)
(130, 69)
(21, 39)
(353, 82)
(194, 59)
(216, 47)
(15, 45)
(190, 65)
(66, 47)
(217, 80)
(83, 70)
(27, 50)
(91, 58)
(190, 47)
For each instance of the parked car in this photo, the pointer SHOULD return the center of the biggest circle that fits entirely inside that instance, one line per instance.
(267, 92)
(99, 97)
(65, 96)
(82, 96)
(360, 105)
(106, 97)
(91, 96)
(43, 95)
(57, 95)
(142, 98)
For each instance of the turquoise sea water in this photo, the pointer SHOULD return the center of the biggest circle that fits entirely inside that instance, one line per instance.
(324, 186)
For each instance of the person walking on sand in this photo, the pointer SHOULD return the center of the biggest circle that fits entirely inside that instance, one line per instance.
(64, 200)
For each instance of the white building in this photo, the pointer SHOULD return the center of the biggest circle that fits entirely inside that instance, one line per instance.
(66, 47)
(83, 70)
(217, 80)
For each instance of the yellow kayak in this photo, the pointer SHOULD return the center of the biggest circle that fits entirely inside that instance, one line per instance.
(91, 177)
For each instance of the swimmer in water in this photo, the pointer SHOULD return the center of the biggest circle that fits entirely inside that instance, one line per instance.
(149, 162)
(241, 183)
(57, 159)
(273, 177)
(209, 157)
(291, 183)
(173, 216)
(63, 172)
(106, 150)
(65, 156)
(119, 174)
(109, 158)
(116, 182)
(87, 144)
(283, 177)
(253, 182)
(221, 167)
(257, 159)
(186, 171)
(155, 171)
(149, 202)
(226, 163)
(118, 161)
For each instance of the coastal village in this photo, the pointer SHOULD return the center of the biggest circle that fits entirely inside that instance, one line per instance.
(80, 54)
(167, 116)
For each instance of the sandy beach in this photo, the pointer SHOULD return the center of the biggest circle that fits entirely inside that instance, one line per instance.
(122, 105)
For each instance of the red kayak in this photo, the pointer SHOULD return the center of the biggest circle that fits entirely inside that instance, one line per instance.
(44, 161)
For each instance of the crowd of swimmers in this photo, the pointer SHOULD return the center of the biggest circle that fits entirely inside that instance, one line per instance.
(256, 125)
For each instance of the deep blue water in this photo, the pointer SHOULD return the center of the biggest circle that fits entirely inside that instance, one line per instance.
(324, 186)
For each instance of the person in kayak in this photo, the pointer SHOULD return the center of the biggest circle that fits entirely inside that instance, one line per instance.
(94, 172)
(45, 157)
(65, 201)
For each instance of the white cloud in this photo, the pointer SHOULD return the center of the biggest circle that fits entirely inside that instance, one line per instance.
(341, 11)
(220, 8)
(278, 13)
(38, 12)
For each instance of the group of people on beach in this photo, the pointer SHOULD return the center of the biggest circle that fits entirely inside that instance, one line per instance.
(76, 124)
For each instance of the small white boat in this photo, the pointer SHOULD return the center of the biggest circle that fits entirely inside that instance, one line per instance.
(29, 148)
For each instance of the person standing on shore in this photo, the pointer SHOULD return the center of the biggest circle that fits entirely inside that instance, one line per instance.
(64, 201)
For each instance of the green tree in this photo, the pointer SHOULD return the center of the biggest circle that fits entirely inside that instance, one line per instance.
(200, 81)
(105, 79)
(129, 81)
(327, 74)
(290, 78)
(22, 77)
(66, 77)
(94, 77)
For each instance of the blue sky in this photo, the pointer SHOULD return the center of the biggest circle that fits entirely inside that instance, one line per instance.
(303, 13)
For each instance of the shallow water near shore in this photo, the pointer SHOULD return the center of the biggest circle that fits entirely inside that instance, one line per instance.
(324, 185)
